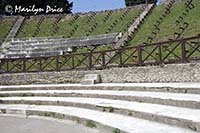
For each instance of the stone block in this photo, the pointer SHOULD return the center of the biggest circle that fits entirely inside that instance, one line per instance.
(91, 79)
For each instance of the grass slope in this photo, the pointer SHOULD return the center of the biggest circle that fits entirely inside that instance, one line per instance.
(46, 28)
(168, 26)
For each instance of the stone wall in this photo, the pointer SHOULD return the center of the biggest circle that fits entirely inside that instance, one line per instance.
(166, 73)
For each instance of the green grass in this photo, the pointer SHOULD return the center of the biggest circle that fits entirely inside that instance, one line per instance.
(125, 24)
(28, 29)
(5, 26)
(103, 27)
(116, 130)
(46, 28)
(168, 26)
(90, 124)
(64, 27)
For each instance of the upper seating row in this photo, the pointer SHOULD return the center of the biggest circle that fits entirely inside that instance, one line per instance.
(57, 46)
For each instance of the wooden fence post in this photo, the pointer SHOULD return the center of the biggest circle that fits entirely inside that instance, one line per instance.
(140, 62)
(90, 60)
(183, 52)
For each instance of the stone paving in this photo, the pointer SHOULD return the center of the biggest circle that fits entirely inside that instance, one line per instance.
(19, 124)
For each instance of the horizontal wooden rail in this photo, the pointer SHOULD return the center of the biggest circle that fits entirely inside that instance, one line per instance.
(173, 51)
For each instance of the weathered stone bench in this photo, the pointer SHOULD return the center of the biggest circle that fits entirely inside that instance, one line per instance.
(37, 45)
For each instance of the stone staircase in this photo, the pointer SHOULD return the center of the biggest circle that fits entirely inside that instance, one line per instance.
(134, 26)
(11, 35)
(15, 29)
(154, 108)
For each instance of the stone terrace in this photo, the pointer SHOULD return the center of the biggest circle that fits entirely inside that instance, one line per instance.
(159, 107)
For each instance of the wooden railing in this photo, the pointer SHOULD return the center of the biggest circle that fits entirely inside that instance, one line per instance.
(174, 51)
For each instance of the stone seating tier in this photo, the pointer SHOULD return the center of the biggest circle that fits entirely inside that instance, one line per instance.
(32, 54)
(127, 107)
(86, 41)
(66, 45)
(35, 39)
(50, 39)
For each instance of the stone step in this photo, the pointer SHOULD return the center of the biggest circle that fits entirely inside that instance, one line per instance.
(177, 116)
(164, 98)
(193, 88)
(109, 120)
(135, 24)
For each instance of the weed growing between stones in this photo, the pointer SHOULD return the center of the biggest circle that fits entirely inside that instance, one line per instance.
(91, 124)
(116, 130)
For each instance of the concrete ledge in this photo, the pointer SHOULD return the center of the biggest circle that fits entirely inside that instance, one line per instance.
(109, 120)
(160, 113)
(172, 99)
(193, 88)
